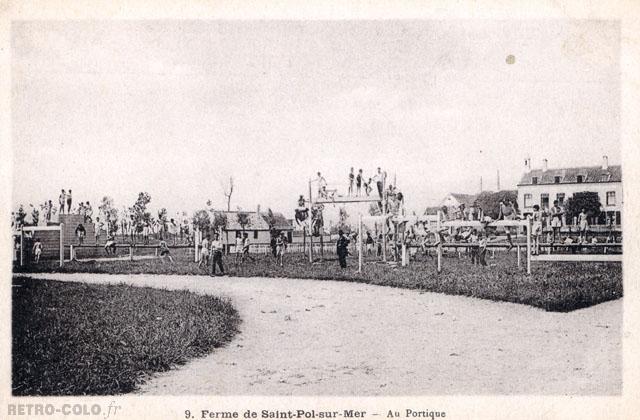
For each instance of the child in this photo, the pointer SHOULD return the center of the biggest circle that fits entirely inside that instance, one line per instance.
(110, 245)
(358, 182)
(351, 179)
(61, 200)
(536, 229)
(69, 202)
(81, 232)
(216, 252)
(238, 247)
(584, 225)
(245, 248)
(37, 250)
(204, 253)
(164, 251)
(473, 240)
(482, 249)
(507, 212)
(88, 211)
(370, 243)
(556, 220)
(280, 245)
(98, 228)
(367, 187)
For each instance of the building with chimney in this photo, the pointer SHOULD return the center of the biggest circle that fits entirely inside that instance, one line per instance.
(545, 185)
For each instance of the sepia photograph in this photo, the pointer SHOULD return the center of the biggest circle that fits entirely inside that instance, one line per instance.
(322, 207)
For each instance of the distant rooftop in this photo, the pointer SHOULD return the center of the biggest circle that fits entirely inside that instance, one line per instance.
(589, 174)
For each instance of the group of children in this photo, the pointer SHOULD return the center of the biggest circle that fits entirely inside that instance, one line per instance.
(358, 184)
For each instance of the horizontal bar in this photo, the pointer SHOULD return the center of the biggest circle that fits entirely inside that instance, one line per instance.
(578, 257)
(36, 228)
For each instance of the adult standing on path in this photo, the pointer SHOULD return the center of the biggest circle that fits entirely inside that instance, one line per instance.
(216, 250)
(342, 249)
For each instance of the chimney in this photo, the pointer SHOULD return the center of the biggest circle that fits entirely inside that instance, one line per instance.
(605, 162)
(545, 164)
(258, 210)
(527, 164)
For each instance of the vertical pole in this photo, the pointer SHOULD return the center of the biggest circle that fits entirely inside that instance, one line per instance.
(21, 247)
(518, 251)
(404, 255)
(70, 252)
(61, 244)
(310, 221)
(439, 249)
(528, 245)
(130, 253)
(360, 243)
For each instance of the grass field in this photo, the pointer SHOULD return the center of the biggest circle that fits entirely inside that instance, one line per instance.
(551, 286)
(80, 339)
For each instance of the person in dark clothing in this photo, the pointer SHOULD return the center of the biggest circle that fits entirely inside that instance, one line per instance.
(81, 232)
(216, 255)
(342, 249)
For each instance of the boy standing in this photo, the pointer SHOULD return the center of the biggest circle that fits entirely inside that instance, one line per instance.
(342, 249)
(584, 225)
(358, 182)
(81, 232)
(536, 229)
(37, 250)
(216, 251)
(556, 220)
(98, 228)
(351, 179)
(164, 251)
(69, 202)
(482, 248)
(61, 200)
(204, 252)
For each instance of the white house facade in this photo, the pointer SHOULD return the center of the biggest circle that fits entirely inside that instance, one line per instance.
(544, 186)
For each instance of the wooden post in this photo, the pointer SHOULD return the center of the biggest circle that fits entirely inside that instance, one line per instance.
(404, 255)
(518, 251)
(70, 252)
(61, 244)
(528, 245)
(21, 247)
(130, 253)
(439, 248)
(310, 225)
(360, 243)
(321, 246)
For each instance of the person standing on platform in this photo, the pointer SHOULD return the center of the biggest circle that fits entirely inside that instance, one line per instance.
(352, 177)
(69, 202)
(61, 201)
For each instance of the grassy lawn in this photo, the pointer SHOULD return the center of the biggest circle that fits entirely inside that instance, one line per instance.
(81, 339)
(552, 286)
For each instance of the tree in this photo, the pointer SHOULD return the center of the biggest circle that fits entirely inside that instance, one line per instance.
(343, 216)
(271, 219)
(243, 220)
(21, 216)
(228, 192)
(201, 220)
(162, 220)
(139, 211)
(489, 201)
(219, 221)
(588, 200)
(35, 216)
(110, 213)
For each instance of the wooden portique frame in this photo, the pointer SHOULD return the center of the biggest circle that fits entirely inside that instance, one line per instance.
(59, 228)
(349, 200)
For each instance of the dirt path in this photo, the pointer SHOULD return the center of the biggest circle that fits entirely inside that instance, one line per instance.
(305, 337)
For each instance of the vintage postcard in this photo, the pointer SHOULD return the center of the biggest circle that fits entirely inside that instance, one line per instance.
(247, 210)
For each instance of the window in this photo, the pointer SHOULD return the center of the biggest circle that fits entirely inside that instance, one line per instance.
(604, 178)
(255, 234)
(556, 179)
(579, 179)
(560, 198)
(527, 200)
(544, 201)
(289, 237)
(611, 198)
(534, 180)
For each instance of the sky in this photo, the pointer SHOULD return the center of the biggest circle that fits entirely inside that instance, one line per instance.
(175, 108)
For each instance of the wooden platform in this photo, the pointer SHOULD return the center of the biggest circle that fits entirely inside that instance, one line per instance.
(339, 200)
(578, 257)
